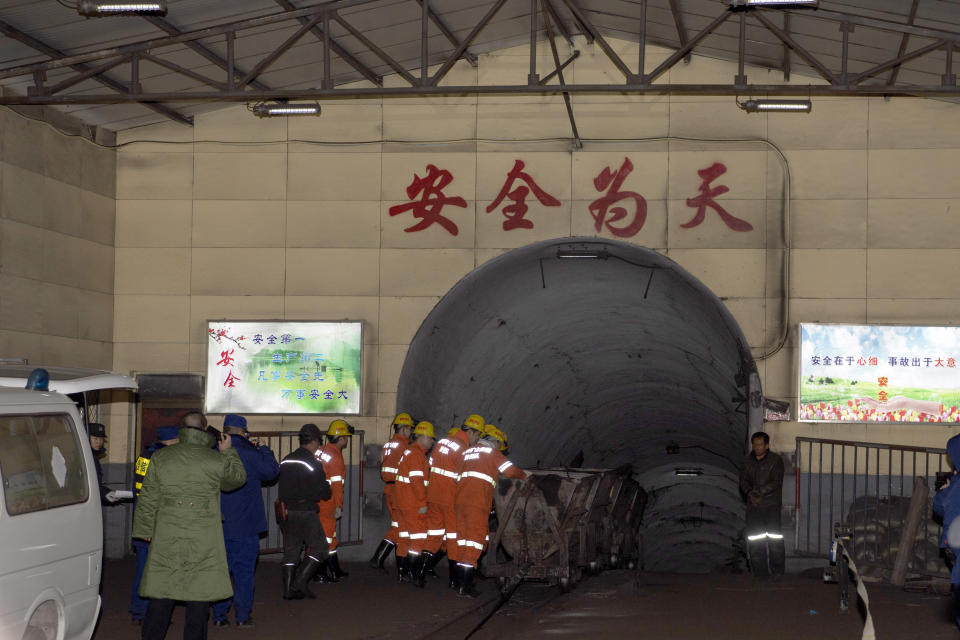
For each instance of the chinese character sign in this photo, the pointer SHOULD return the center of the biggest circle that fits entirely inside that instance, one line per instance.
(867, 373)
(283, 367)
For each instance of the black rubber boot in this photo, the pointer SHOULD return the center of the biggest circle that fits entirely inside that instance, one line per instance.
(467, 574)
(381, 554)
(308, 568)
(335, 569)
(420, 570)
(325, 573)
(405, 569)
(454, 574)
(435, 558)
(289, 593)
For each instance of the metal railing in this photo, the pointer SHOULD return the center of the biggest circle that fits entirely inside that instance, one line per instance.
(350, 525)
(868, 486)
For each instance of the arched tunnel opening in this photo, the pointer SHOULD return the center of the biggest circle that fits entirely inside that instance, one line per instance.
(598, 353)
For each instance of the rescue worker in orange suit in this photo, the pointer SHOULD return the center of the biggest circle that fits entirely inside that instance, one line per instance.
(444, 474)
(392, 450)
(479, 472)
(329, 511)
(410, 498)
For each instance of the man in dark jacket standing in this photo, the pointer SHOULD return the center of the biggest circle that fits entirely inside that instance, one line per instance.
(947, 505)
(178, 513)
(302, 484)
(761, 481)
(243, 521)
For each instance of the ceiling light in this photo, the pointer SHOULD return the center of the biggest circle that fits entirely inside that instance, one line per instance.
(688, 472)
(601, 254)
(100, 8)
(798, 106)
(277, 109)
(774, 3)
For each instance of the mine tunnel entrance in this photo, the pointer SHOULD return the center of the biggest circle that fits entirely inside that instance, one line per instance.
(598, 353)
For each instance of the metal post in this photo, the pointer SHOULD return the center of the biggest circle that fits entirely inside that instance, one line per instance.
(424, 51)
(533, 77)
(949, 79)
(327, 79)
(642, 55)
(231, 58)
(741, 79)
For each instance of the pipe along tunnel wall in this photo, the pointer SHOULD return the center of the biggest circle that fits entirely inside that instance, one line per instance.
(604, 353)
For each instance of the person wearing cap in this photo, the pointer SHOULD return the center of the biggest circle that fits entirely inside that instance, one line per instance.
(413, 478)
(165, 437)
(392, 451)
(244, 521)
(329, 511)
(479, 471)
(178, 513)
(302, 485)
(98, 436)
(441, 519)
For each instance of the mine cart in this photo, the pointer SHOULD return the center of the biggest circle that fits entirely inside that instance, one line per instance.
(558, 523)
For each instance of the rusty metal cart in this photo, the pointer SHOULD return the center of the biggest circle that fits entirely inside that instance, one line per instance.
(558, 523)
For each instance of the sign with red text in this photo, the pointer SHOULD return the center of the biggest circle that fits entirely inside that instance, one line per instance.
(872, 373)
(281, 367)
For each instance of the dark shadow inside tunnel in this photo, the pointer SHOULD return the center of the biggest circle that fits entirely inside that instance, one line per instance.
(601, 348)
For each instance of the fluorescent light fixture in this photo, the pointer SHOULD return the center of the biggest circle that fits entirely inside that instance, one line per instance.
(795, 106)
(600, 254)
(688, 472)
(774, 3)
(277, 109)
(100, 8)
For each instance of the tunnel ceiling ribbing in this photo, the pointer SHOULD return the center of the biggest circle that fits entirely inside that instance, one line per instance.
(614, 357)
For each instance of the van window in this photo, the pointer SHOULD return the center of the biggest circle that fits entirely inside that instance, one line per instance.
(41, 463)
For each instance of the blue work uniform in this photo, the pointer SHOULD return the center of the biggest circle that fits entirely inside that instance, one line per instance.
(947, 504)
(138, 605)
(244, 519)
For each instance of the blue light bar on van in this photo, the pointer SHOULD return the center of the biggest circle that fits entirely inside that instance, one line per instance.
(39, 380)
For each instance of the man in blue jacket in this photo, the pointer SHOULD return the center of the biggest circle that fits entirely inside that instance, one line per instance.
(244, 520)
(947, 504)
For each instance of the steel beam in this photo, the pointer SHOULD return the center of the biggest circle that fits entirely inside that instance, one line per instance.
(199, 77)
(452, 60)
(904, 40)
(683, 51)
(466, 90)
(339, 49)
(681, 29)
(577, 143)
(450, 35)
(12, 32)
(896, 62)
(380, 53)
(561, 27)
(607, 49)
(197, 47)
(280, 50)
(790, 42)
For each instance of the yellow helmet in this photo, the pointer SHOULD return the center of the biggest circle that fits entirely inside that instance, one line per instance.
(474, 422)
(491, 430)
(424, 428)
(403, 420)
(453, 431)
(339, 428)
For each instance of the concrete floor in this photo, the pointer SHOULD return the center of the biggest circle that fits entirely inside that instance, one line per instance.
(616, 604)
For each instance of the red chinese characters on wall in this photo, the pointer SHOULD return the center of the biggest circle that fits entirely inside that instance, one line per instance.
(600, 207)
(432, 200)
(515, 212)
(706, 199)
(621, 211)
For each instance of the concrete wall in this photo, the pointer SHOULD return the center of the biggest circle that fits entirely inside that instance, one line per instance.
(231, 219)
(57, 213)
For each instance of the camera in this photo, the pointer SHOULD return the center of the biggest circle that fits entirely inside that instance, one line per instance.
(942, 477)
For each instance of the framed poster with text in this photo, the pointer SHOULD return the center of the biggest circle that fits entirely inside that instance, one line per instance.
(281, 367)
(879, 373)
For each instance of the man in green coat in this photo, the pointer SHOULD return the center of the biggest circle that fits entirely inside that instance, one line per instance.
(179, 514)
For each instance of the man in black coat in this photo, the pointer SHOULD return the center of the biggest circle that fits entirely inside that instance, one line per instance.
(302, 484)
(761, 481)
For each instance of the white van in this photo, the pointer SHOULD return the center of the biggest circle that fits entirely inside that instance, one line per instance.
(51, 528)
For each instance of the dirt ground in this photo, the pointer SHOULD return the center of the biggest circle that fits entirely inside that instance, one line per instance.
(616, 604)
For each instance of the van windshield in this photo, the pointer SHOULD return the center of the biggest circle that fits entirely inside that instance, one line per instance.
(41, 463)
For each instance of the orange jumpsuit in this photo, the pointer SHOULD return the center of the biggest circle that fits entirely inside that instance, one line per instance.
(392, 451)
(410, 495)
(444, 474)
(479, 472)
(331, 458)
